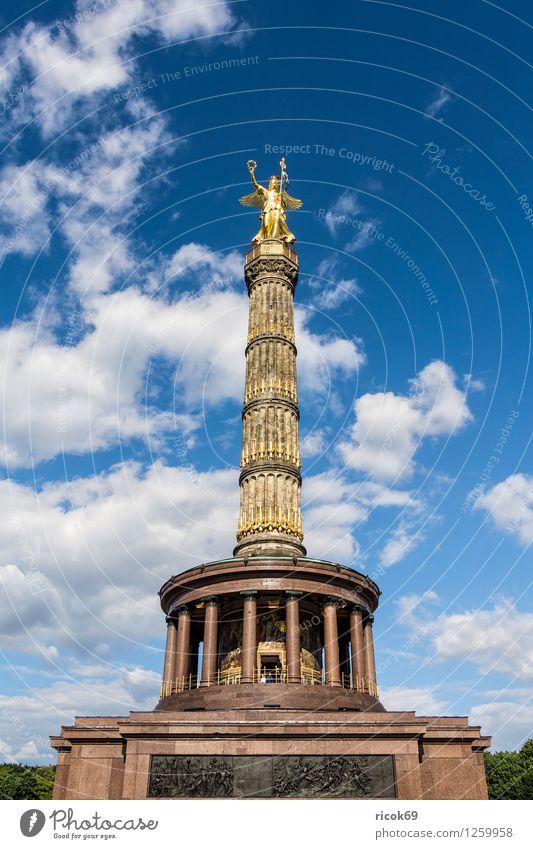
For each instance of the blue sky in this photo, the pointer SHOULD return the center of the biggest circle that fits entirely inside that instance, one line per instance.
(125, 130)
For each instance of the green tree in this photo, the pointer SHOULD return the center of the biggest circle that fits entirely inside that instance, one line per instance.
(510, 774)
(19, 781)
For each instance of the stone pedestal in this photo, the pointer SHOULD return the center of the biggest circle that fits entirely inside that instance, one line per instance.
(267, 752)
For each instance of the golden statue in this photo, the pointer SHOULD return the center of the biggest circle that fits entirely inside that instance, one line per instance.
(273, 202)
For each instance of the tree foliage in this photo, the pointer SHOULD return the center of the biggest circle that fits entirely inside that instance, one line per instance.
(18, 781)
(510, 774)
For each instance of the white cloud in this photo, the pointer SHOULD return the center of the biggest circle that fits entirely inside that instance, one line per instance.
(509, 722)
(324, 359)
(84, 559)
(340, 219)
(390, 428)
(402, 541)
(412, 612)
(510, 504)
(215, 270)
(329, 530)
(496, 640)
(87, 53)
(87, 394)
(346, 205)
(26, 721)
(437, 104)
(335, 508)
(314, 443)
(90, 199)
(49, 409)
(24, 217)
(363, 236)
(331, 288)
(421, 699)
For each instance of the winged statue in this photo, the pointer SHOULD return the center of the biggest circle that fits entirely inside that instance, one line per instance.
(272, 202)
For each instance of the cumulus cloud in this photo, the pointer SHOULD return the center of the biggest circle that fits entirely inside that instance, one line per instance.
(324, 357)
(27, 721)
(413, 609)
(90, 200)
(346, 205)
(49, 409)
(86, 53)
(215, 270)
(508, 720)
(84, 559)
(335, 508)
(24, 215)
(314, 443)
(331, 288)
(402, 541)
(341, 220)
(496, 640)
(421, 699)
(510, 505)
(390, 428)
(363, 236)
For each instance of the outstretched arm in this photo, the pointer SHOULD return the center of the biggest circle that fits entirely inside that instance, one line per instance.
(257, 186)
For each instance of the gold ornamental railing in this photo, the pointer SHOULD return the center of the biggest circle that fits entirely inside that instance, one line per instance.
(282, 389)
(231, 677)
(270, 451)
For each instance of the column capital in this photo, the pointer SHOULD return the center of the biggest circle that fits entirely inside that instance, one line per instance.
(293, 594)
(369, 619)
(182, 608)
(248, 594)
(358, 608)
(331, 601)
(211, 600)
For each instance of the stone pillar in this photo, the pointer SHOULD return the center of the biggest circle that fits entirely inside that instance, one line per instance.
(370, 662)
(270, 519)
(170, 651)
(292, 637)
(183, 646)
(210, 654)
(358, 649)
(331, 643)
(249, 637)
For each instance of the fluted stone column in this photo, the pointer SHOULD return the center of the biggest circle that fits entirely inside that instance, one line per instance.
(210, 653)
(249, 637)
(183, 645)
(331, 643)
(170, 651)
(358, 646)
(270, 520)
(292, 637)
(370, 661)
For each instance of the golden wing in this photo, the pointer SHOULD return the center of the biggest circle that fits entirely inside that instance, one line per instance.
(289, 202)
(253, 199)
